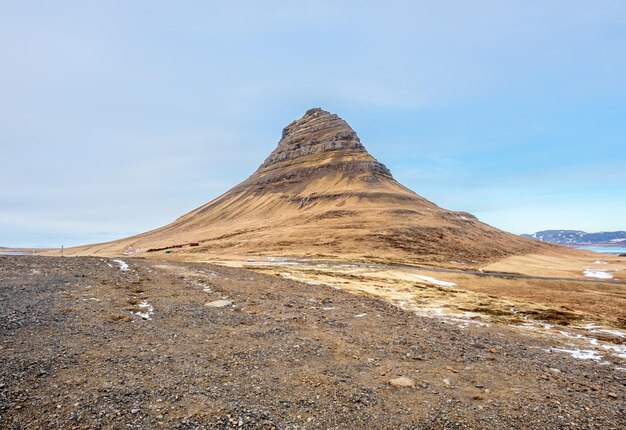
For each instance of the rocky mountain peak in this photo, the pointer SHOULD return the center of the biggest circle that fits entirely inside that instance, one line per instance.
(317, 131)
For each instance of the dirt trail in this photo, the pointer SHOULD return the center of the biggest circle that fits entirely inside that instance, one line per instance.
(78, 352)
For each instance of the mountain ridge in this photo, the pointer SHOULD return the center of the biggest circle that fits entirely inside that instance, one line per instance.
(580, 238)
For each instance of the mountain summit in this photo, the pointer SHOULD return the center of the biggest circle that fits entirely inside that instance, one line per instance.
(321, 131)
(312, 146)
(320, 194)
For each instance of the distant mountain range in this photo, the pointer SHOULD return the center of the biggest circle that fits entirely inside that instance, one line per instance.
(580, 238)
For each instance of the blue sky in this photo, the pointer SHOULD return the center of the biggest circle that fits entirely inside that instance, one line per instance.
(119, 116)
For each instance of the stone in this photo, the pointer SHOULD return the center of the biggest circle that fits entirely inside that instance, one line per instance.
(218, 303)
(402, 381)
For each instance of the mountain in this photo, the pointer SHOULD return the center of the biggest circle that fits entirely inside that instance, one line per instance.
(320, 194)
(580, 238)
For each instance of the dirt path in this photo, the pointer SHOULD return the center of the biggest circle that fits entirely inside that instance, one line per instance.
(85, 344)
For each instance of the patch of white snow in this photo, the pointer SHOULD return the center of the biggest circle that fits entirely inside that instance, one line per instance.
(600, 274)
(435, 281)
(146, 310)
(581, 354)
(123, 265)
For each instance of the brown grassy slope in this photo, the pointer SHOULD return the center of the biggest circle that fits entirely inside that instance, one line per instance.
(320, 194)
(562, 262)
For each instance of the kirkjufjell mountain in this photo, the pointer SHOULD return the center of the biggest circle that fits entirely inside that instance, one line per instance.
(320, 194)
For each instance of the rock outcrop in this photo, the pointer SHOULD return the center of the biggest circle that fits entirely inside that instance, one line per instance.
(316, 131)
(323, 138)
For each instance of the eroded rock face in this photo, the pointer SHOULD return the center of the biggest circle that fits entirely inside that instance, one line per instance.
(317, 144)
(319, 131)
(316, 131)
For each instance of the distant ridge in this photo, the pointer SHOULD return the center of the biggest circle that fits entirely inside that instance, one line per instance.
(580, 238)
(320, 194)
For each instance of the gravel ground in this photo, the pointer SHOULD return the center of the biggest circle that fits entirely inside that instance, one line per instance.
(84, 344)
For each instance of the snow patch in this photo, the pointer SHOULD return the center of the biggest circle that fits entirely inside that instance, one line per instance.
(600, 274)
(204, 287)
(581, 354)
(619, 350)
(597, 329)
(146, 310)
(585, 354)
(463, 320)
(123, 265)
(435, 281)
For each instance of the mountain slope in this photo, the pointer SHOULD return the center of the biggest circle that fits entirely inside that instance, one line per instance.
(321, 194)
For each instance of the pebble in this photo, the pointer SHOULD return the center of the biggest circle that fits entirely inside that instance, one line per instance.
(218, 303)
(402, 381)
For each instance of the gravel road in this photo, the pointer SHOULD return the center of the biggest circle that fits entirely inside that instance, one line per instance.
(164, 345)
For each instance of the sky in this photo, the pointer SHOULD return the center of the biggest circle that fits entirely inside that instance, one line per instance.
(119, 116)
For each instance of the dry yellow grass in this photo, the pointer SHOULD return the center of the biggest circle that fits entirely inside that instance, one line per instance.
(510, 300)
(562, 262)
